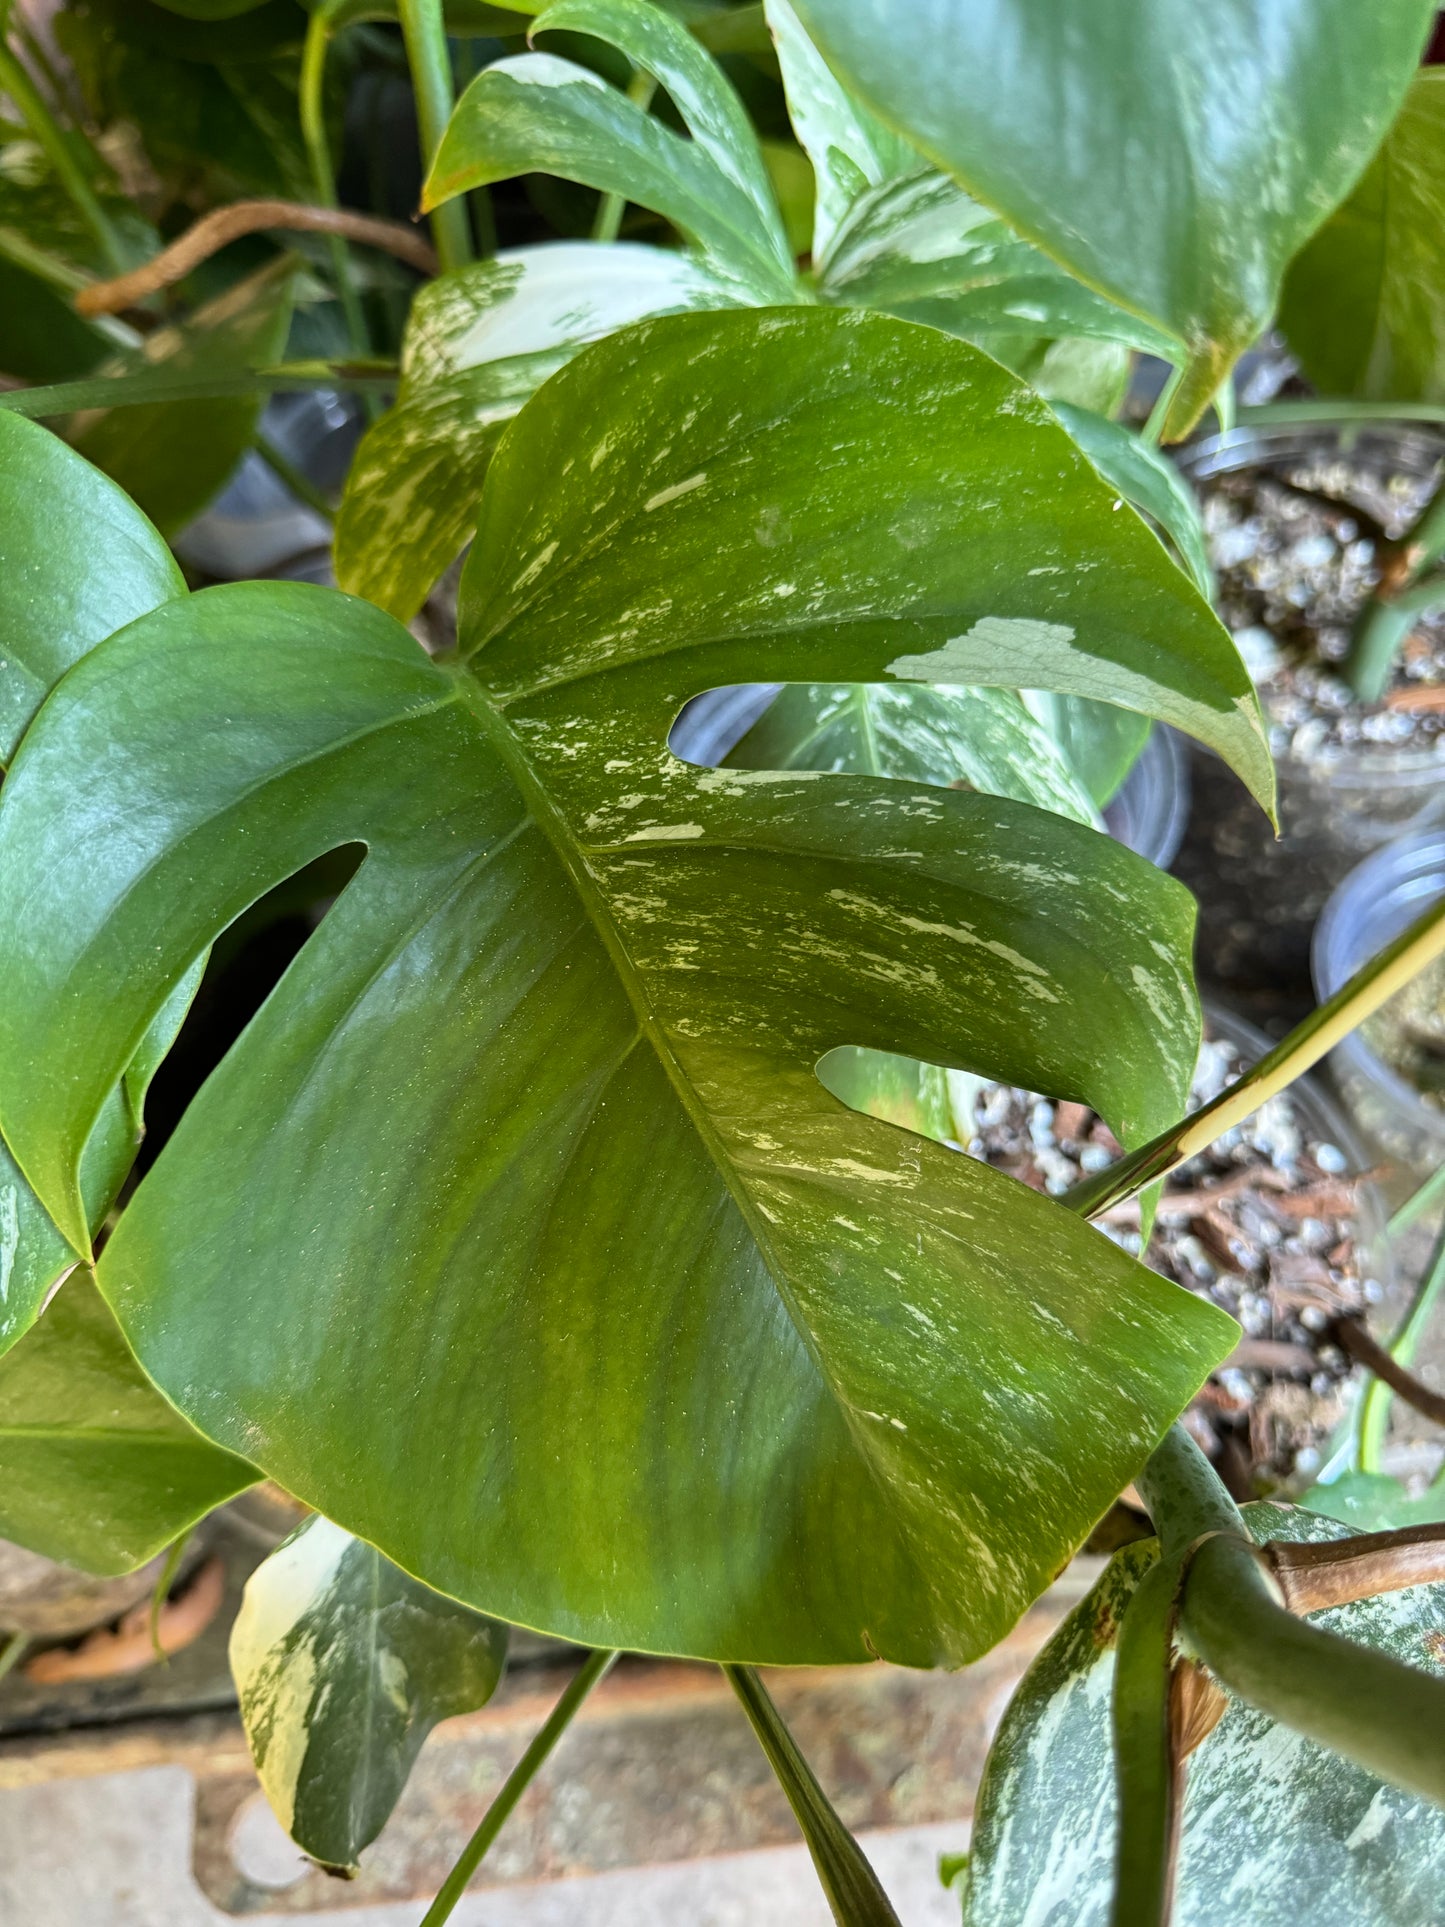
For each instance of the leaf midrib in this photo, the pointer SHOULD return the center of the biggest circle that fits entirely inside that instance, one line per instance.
(554, 827)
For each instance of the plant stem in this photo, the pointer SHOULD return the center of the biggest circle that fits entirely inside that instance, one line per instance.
(852, 1888)
(424, 31)
(1340, 414)
(1372, 985)
(610, 208)
(162, 1590)
(1418, 1204)
(479, 199)
(1372, 1418)
(287, 473)
(1353, 1339)
(1384, 1715)
(323, 177)
(1145, 1775)
(13, 1651)
(1183, 1495)
(146, 386)
(50, 136)
(516, 1784)
(1159, 413)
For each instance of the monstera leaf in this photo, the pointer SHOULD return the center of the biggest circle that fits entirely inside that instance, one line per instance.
(96, 1469)
(1274, 1827)
(343, 1665)
(479, 341)
(537, 112)
(1172, 155)
(1364, 303)
(82, 561)
(518, 1234)
(482, 339)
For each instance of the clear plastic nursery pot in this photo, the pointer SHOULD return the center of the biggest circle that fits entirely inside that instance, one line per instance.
(1148, 815)
(256, 525)
(1374, 903)
(1259, 898)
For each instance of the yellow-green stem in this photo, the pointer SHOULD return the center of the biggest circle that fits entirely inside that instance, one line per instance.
(1372, 985)
(424, 31)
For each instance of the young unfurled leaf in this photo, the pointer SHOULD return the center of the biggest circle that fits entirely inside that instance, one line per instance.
(480, 341)
(525, 1166)
(96, 1469)
(1170, 154)
(1274, 1825)
(343, 1664)
(536, 112)
(1364, 302)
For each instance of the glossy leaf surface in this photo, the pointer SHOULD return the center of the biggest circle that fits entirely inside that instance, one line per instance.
(525, 1162)
(81, 561)
(343, 1665)
(979, 739)
(1147, 479)
(77, 561)
(1374, 1502)
(96, 1469)
(851, 151)
(1364, 303)
(538, 112)
(479, 341)
(1172, 155)
(1275, 1827)
(173, 457)
(922, 248)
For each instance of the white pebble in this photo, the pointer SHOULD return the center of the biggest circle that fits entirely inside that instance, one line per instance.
(1314, 551)
(1330, 1158)
(1262, 655)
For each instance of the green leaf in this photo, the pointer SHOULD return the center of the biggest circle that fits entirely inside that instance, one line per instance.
(980, 739)
(851, 151)
(81, 561)
(1274, 1826)
(921, 248)
(536, 113)
(1147, 479)
(42, 338)
(214, 101)
(1364, 302)
(1018, 602)
(174, 457)
(1373, 1502)
(525, 1162)
(33, 1254)
(1099, 742)
(211, 9)
(1172, 156)
(479, 341)
(96, 1469)
(343, 1665)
